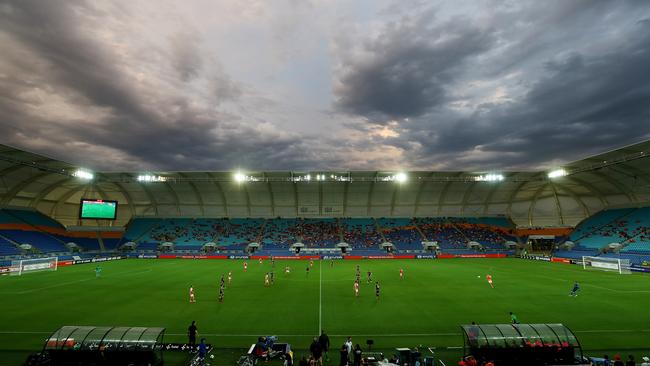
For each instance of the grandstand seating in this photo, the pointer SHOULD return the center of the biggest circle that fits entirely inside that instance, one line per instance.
(322, 233)
(402, 232)
(280, 233)
(44, 242)
(7, 248)
(628, 226)
(360, 233)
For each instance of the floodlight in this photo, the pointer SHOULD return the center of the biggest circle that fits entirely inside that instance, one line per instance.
(239, 177)
(83, 174)
(401, 177)
(490, 178)
(557, 173)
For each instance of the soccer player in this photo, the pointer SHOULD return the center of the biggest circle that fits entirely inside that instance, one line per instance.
(377, 288)
(260, 260)
(223, 281)
(272, 262)
(98, 272)
(307, 271)
(369, 276)
(229, 278)
(576, 288)
(401, 273)
(356, 288)
(331, 263)
(272, 277)
(245, 266)
(192, 298)
(287, 270)
(266, 279)
(221, 293)
(513, 318)
(489, 279)
(311, 263)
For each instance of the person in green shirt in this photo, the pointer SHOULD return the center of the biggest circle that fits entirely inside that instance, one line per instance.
(513, 318)
(98, 271)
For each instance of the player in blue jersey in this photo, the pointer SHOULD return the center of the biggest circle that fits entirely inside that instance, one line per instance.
(575, 289)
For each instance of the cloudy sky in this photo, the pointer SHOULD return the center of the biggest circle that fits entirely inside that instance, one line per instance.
(323, 84)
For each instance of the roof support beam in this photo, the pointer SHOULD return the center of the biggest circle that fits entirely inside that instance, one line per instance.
(416, 206)
(221, 193)
(199, 198)
(533, 202)
(20, 186)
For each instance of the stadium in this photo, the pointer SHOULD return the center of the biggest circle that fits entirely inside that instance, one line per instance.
(320, 183)
(446, 230)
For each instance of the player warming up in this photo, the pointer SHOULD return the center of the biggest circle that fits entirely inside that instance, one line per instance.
(356, 288)
(287, 270)
(401, 273)
(266, 280)
(369, 277)
(575, 289)
(192, 298)
(229, 278)
(245, 266)
(377, 288)
(307, 271)
(489, 279)
(222, 283)
(221, 293)
(98, 272)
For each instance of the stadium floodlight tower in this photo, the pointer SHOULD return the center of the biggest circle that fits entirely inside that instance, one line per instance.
(239, 177)
(558, 173)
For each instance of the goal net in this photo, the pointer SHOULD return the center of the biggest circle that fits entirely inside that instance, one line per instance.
(619, 265)
(20, 267)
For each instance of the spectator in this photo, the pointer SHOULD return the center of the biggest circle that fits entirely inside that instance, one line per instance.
(324, 341)
(462, 362)
(191, 334)
(203, 349)
(606, 361)
(617, 360)
(630, 361)
(303, 361)
(348, 345)
(357, 355)
(344, 355)
(316, 351)
(489, 363)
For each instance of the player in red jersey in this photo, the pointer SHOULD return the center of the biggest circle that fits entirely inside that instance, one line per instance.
(401, 274)
(489, 279)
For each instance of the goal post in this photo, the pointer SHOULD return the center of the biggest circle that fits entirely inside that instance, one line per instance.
(22, 266)
(620, 265)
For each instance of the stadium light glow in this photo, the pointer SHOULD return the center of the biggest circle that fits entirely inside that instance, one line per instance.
(83, 174)
(557, 173)
(151, 178)
(489, 178)
(397, 177)
(240, 177)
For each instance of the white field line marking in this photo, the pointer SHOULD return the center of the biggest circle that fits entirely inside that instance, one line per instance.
(320, 297)
(93, 278)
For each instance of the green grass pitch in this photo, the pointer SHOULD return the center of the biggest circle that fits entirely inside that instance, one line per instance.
(611, 314)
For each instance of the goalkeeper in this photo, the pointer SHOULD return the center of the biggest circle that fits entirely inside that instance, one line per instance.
(98, 272)
(575, 289)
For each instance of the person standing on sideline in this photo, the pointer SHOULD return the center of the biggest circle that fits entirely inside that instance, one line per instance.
(348, 345)
(203, 349)
(316, 351)
(192, 331)
(513, 318)
(344, 356)
(98, 272)
(324, 341)
(357, 355)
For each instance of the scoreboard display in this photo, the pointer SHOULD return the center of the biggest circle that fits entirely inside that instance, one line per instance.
(98, 209)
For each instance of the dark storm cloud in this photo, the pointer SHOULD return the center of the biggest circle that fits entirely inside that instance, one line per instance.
(131, 124)
(404, 71)
(584, 104)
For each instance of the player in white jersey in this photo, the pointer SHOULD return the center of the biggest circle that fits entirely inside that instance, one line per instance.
(266, 280)
(401, 273)
(287, 270)
(229, 278)
(245, 266)
(192, 299)
(356, 288)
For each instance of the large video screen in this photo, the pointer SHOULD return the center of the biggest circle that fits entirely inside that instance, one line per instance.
(98, 209)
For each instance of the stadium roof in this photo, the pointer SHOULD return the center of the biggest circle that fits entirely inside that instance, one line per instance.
(616, 178)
